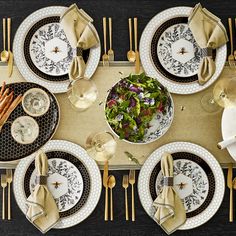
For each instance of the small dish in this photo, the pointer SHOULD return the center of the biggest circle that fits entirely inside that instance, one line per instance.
(35, 102)
(25, 130)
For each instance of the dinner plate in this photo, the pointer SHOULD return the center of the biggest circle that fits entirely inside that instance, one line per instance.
(10, 150)
(45, 55)
(170, 54)
(74, 180)
(228, 129)
(198, 179)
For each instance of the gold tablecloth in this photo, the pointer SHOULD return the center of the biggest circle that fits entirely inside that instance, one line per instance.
(191, 123)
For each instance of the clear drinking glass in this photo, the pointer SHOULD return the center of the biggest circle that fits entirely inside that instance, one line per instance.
(101, 146)
(82, 94)
(223, 95)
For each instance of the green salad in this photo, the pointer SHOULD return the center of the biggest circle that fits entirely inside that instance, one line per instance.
(132, 104)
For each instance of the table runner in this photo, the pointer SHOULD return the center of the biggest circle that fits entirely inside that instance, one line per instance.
(191, 123)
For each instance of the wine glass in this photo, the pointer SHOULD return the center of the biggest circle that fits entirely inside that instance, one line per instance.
(101, 146)
(224, 95)
(82, 94)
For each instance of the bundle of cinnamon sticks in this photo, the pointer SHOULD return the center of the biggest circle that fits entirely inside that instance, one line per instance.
(7, 103)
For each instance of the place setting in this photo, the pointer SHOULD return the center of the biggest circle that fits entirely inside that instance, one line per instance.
(76, 125)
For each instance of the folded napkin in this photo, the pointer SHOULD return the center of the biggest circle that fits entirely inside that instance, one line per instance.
(170, 212)
(209, 33)
(42, 209)
(81, 35)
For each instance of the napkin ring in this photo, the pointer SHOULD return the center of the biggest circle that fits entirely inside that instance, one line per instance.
(79, 51)
(168, 181)
(207, 52)
(41, 180)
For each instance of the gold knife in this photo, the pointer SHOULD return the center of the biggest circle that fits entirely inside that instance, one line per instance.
(105, 184)
(230, 186)
(137, 58)
(10, 60)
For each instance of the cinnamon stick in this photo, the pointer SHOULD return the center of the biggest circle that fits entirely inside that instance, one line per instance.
(12, 107)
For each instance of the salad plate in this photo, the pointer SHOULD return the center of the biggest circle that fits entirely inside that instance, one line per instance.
(198, 179)
(10, 149)
(73, 179)
(45, 55)
(139, 109)
(169, 52)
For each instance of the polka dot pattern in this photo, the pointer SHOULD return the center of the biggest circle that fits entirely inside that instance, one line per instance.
(155, 157)
(18, 50)
(150, 68)
(10, 150)
(89, 163)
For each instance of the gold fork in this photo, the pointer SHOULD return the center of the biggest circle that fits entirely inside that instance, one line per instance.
(105, 57)
(9, 181)
(231, 56)
(132, 182)
(111, 55)
(4, 185)
(125, 185)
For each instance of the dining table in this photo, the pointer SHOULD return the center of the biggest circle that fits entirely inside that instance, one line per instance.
(191, 122)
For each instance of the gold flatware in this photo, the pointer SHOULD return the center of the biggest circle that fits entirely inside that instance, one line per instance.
(105, 57)
(111, 54)
(132, 182)
(125, 185)
(4, 54)
(10, 54)
(231, 56)
(230, 186)
(130, 53)
(137, 58)
(3, 185)
(234, 183)
(235, 29)
(9, 181)
(111, 185)
(105, 184)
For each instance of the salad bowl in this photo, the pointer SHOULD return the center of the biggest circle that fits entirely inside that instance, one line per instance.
(139, 109)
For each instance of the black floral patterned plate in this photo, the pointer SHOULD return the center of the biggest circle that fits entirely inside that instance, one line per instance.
(174, 51)
(10, 150)
(194, 181)
(68, 181)
(47, 51)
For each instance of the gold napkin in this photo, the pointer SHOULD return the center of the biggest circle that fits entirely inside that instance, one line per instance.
(81, 35)
(209, 33)
(42, 209)
(170, 212)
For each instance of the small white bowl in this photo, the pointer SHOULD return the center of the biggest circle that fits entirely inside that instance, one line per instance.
(25, 130)
(35, 102)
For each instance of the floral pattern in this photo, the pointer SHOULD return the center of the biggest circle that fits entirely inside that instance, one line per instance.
(194, 182)
(50, 50)
(67, 183)
(178, 52)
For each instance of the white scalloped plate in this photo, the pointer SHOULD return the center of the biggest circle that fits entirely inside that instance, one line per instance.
(228, 129)
(150, 69)
(155, 157)
(18, 50)
(89, 163)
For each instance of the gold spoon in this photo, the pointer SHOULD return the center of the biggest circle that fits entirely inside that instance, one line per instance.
(4, 54)
(130, 53)
(111, 185)
(231, 56)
